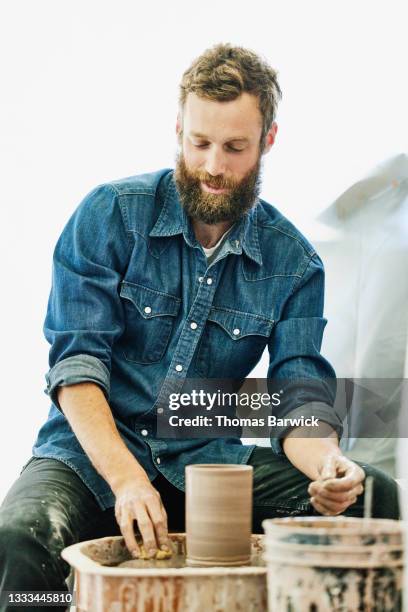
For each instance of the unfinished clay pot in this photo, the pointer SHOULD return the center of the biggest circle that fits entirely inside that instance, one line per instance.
(333, 564)
(218, 514)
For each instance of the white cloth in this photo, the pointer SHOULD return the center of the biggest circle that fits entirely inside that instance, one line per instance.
(362, 239)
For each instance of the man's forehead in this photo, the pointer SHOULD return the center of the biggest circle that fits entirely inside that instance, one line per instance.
(239, 117)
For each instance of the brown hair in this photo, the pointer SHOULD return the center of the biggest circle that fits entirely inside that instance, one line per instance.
(224, 72)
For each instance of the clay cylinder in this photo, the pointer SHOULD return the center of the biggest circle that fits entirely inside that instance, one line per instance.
(218, 514)
(331, 564)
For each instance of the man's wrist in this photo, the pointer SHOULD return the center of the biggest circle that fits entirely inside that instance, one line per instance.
(308, 452)
(121, 479)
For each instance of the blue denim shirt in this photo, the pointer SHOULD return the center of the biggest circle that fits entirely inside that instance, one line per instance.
(129, 278)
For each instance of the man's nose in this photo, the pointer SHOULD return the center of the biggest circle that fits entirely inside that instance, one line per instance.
(215, 162)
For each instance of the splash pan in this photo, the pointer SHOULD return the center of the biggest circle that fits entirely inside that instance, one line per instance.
(109, 580)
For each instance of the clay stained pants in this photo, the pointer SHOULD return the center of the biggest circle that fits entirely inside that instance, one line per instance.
(49, 508)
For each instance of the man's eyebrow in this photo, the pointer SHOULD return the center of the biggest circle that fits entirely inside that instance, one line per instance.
(242, 139)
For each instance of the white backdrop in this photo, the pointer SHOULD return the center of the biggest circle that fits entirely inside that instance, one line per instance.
(89, 94)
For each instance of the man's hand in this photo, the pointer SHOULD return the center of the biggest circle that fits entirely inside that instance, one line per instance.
(336, 480)
(90, 417)
(338, 485)
(139, 501)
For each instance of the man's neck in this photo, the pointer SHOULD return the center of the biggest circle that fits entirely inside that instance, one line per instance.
(209, 235)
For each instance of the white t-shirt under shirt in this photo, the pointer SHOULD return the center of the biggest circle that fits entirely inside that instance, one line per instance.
(210, 253)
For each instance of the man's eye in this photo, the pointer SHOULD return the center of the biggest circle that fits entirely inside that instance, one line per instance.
(229, 148)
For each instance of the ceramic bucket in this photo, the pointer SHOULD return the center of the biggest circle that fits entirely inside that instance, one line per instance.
(333, 564)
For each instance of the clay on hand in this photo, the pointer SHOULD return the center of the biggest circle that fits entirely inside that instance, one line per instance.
(160, 554)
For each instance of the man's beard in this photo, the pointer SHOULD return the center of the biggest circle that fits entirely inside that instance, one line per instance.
(213, 208)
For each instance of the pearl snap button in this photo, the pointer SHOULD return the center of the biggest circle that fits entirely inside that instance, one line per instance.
(200, 279)
(144, 432)
(209, 281)
(179, 367)
(158, 460)
(236, 331)
(160, 411)
(193, 325)
(148, 310)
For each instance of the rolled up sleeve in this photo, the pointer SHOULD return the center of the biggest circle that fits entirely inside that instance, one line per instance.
(84, 314)
(304, 379)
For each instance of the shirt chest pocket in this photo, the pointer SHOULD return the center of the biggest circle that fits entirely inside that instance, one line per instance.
(149, 321)
(232, 343)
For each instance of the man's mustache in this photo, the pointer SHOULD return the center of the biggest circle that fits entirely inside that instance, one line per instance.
(216, 182)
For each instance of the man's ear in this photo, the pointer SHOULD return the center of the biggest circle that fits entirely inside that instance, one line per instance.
(270, 138)
(179, 128)
(178, 124)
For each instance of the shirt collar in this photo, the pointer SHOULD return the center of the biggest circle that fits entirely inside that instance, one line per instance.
(173, 220)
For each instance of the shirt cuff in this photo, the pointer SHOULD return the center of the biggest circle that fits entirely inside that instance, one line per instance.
(76, 369)
(319, 410)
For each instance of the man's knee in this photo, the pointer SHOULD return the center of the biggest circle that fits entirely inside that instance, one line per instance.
(35, 523)
(17, 533)
(26, 558)
(25, 533)
(15, 540)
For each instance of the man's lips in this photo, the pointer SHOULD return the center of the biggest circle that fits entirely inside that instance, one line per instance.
(210, 189)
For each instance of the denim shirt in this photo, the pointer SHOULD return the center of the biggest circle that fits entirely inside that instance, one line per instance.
(129, 278)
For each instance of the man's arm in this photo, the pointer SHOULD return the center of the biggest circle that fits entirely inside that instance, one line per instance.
(90, 417)
(84, 319)
(309, 382)
(85, 314)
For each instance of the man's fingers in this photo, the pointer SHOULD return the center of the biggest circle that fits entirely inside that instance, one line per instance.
(320, 508)
(337, 498)
(333, 495)
(353, 476)
(329, 508)
(319, 489)
(164, 514)
(334, 507)
(329, 468)
(142, 504)
(355, 492)
(346, 483)
(146, 529)
(167, 544)
(159, 519)
(126, 528)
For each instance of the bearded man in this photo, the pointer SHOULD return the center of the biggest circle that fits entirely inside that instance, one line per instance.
(161, 278)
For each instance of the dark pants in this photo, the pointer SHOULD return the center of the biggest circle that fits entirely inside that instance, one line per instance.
(49, 508)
